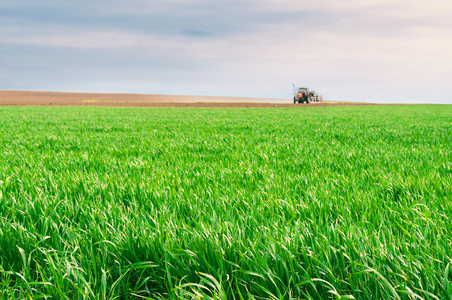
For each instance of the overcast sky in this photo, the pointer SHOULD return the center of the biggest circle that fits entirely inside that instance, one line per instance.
(355, 50)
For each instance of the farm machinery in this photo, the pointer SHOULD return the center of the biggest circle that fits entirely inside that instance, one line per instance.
(304, 95)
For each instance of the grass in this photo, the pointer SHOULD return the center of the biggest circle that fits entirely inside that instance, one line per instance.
(161, 203)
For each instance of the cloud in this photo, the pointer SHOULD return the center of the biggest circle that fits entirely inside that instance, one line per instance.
(196, 32)
(90, 40)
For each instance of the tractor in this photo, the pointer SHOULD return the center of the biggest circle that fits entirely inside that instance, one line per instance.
(303, 95)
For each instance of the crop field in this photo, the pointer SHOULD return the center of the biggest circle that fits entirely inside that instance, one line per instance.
(257, 203)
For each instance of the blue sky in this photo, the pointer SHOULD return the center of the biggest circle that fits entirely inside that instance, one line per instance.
(378, 51)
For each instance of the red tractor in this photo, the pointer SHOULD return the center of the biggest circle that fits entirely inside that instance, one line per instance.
(302, 95)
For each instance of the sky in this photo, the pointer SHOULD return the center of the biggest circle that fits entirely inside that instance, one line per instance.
(397, 51)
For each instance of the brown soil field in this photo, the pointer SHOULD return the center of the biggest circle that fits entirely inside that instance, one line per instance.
(37, 98)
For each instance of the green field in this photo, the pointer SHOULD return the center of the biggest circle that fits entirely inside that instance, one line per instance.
(160, 203)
